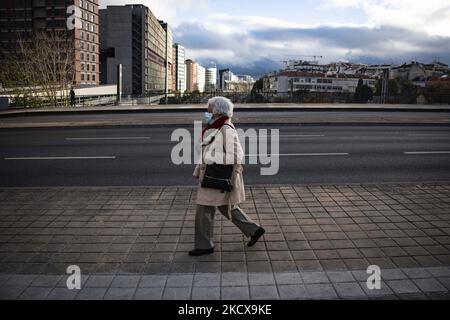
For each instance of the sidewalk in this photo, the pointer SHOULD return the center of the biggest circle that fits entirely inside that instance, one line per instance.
(267, 117)
(238, 107)
(132, 243)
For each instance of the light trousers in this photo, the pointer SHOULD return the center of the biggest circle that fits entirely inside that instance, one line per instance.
(204, 224)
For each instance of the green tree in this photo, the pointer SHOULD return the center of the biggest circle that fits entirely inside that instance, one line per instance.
(363, 92)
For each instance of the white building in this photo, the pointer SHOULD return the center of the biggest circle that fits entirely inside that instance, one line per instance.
(211, 78)
(286, 82)
(201, 78)
(180, 68)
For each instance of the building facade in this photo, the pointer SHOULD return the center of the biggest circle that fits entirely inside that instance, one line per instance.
(169, 57)
(201, 78)
(210, 79)
(131, 35)
(191, 75)
(224, 76)
(180, 72)
(27, 18)
(285, 82)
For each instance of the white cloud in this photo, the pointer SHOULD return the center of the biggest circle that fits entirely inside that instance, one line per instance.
(430, 16)
(163, 9)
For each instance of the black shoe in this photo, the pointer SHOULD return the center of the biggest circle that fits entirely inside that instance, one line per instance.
(201, 252)
(256, 236)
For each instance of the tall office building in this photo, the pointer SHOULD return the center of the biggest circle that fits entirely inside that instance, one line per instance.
(169, 58)
(131, 35)
(191, 75)
(201, 77)
(179, 55)
(27, 18)
(224, 76)
(210, 79)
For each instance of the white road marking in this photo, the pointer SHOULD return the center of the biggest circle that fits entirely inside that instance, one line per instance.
(299, 154)
(108, 138)
(430, 135)
(60, 158)
(291, 135)
(427, 152)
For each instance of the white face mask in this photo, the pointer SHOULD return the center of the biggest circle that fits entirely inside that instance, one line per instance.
(208, 117)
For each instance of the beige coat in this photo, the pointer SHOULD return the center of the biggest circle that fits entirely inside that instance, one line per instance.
(225, 149)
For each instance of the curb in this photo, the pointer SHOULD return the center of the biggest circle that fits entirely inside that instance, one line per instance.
(257, 185)
(19, 113)
(267, 124)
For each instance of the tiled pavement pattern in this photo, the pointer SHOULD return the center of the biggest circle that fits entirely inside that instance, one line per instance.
(132, 243)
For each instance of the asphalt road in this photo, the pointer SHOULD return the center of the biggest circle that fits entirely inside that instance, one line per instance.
(245, 117)
(141, 156)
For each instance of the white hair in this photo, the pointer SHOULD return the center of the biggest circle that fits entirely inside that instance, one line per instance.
(221, 106)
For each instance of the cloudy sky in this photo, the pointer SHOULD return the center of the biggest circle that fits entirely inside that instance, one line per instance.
(253, 36)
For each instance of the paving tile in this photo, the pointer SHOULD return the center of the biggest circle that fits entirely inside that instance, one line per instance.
(207, 279)
(46, 281)
(234, 279)
(119, 293)
(176, 293)
(349, 290)
(91, 294)
(62, 294)
(403, 286)
(99, 281)
(393, 274)
(206, 293)
(440, 271)
(416, 273)
(321, 291)
(288, 278)
(179, 280)
(20, 280)
(260, 278)
(314, 277)
(293, 291)
(265, 292)
(122, 281)
(384, 290)
(429, 285)
(149, 293)
(235, 293)
(340, 276)
(35, 293)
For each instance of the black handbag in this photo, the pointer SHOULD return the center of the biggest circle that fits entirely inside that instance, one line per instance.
(218, 176)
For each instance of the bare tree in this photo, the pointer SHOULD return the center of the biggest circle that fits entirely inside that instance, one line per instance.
(40, 69)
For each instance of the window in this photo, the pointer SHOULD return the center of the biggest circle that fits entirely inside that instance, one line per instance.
(93, 67)
(82, 67)
(87, 67)
(87, 77)
(82, 77)
(93, 57)
(82, 56)
(93, 77)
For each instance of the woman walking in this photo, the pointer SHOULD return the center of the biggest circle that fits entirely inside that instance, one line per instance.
(221, 150)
